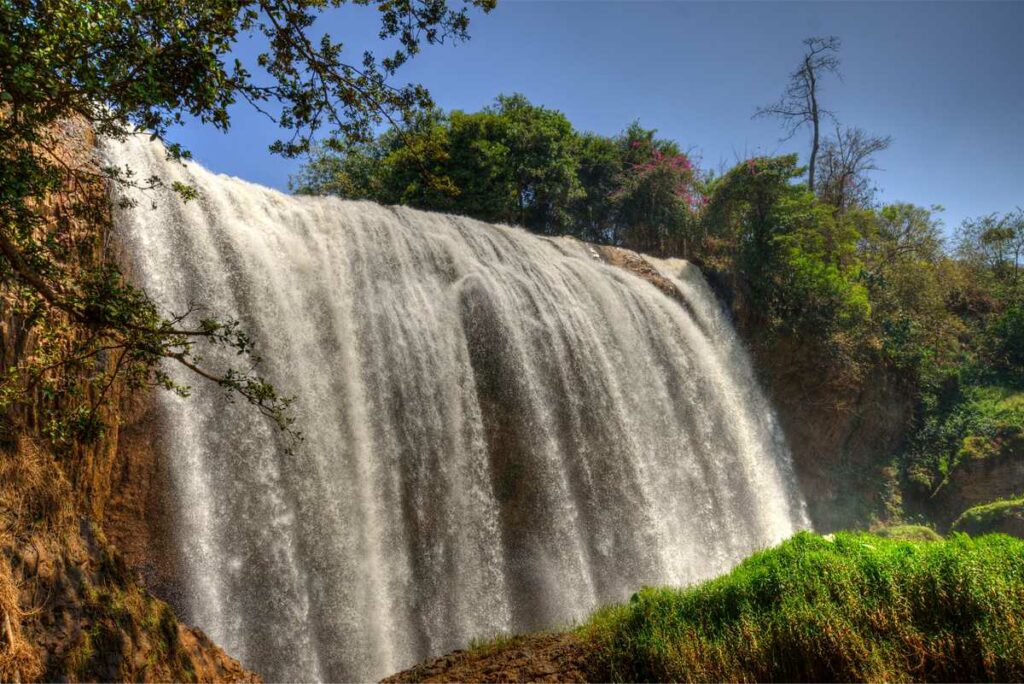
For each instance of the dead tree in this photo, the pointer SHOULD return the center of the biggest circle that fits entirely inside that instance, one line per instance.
(799, 104)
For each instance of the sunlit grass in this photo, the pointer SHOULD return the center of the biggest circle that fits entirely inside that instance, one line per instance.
(908, 533)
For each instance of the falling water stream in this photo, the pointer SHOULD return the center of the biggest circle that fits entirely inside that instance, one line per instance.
(501, 431)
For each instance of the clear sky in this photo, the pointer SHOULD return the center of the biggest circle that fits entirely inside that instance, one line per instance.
(943, 79)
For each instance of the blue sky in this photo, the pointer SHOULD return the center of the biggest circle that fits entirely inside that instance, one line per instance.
(943, 79)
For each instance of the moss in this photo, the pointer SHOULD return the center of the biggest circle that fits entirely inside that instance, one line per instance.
(908, 533)
(1000, 440)
(1005, 515)
(169, 629)
(998, 425)
(857, 607)
(122, 620)
(77, 659)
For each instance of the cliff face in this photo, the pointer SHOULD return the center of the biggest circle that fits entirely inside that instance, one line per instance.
(983, 479)
(70, 606)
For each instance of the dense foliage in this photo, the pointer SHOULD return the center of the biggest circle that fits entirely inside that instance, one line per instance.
(855, 607)
(75, 325)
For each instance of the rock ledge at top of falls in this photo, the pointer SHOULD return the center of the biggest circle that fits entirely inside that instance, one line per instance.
(636, 264)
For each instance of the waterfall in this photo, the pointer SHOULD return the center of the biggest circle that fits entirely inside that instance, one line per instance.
(501, 431)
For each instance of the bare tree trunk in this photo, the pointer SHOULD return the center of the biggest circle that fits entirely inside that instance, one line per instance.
(815, 121)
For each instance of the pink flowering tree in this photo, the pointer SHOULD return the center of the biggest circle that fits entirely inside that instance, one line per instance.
(658, 197)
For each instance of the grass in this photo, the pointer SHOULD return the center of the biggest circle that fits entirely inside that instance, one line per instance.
(854, 607)
(487, 645)
(998, 516)
(1001, 403)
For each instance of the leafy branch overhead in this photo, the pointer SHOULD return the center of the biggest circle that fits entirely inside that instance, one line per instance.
(126, 67)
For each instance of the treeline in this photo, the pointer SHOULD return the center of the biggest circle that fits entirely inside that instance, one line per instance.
(861, 283)
(523, 164)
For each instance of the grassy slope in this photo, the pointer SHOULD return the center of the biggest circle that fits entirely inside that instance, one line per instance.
(858, 607)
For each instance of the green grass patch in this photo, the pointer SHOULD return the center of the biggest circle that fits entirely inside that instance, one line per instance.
(1005, 515)
(852, 608)
(1000, 403)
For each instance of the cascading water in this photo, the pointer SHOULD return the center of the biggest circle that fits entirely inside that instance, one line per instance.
(502, 432)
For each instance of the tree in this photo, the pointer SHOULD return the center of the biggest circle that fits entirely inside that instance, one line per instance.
(127, 67)
(743, 203)
(993, 249)
(901, 232)
(655, 198)
(600, 168)
(1005, 339)
(799, 105)
(910, 280)
(524, 153)
(995, 242)
(846, 160)
(794, 259)
(513, 162)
